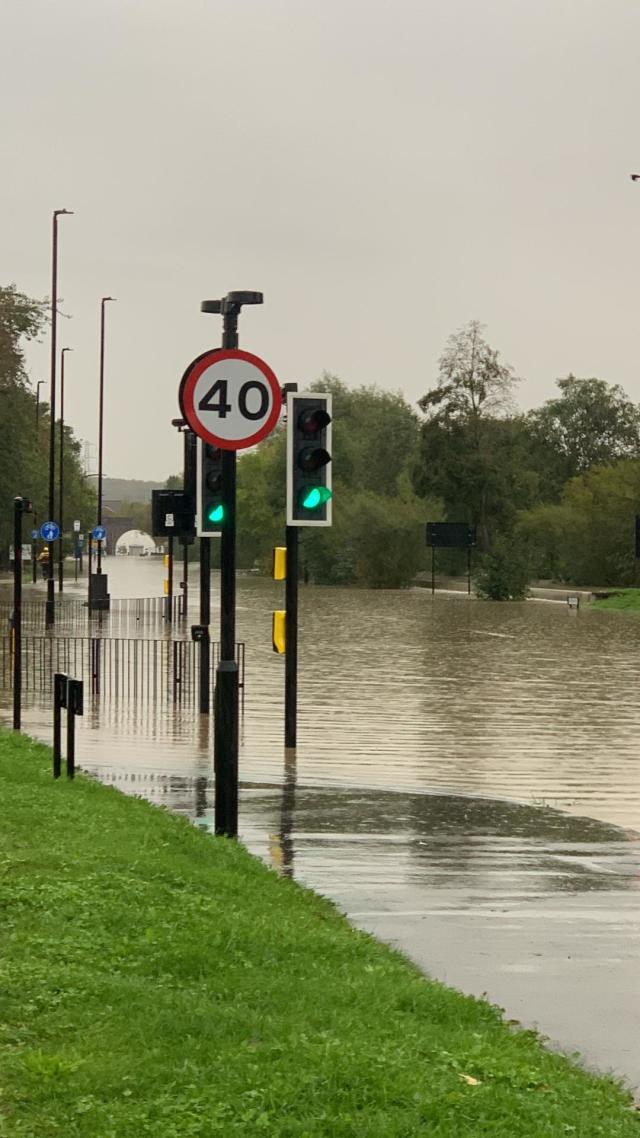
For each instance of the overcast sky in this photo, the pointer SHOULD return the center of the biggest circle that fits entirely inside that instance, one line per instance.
(383, 170)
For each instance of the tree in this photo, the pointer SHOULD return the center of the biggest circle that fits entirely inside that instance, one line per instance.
(472, 383)
(588, 537)
(20, 319)
(471, 451)
(592, 423)
(24, 465)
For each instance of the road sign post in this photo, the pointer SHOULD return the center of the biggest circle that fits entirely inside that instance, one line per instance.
(231, 400)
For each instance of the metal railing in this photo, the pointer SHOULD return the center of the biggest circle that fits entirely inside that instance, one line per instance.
(132, 668)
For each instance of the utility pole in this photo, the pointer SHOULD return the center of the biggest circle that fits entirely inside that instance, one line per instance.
(61, 480)
(51, 603)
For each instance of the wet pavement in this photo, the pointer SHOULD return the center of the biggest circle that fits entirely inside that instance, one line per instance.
(421, 721)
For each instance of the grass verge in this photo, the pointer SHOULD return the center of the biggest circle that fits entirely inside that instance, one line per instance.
(622, 600)
(157, 981)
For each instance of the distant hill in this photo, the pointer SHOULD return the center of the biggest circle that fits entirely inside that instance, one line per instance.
(128, 489)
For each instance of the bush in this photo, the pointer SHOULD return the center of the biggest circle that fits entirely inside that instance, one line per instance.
(503, 574)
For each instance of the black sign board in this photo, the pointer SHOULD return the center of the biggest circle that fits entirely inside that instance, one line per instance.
(451, 535)
(172, 513)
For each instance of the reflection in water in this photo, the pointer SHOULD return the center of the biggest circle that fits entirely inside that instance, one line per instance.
(281, 843)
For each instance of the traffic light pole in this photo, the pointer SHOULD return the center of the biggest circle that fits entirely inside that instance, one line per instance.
(291, 640)
(169, 597)
(205, 619)
(225, 740)
(226, 708)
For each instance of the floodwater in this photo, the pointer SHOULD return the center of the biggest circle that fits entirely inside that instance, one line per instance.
(466, 785)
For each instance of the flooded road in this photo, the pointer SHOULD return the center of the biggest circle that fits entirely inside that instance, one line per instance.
(407, 703)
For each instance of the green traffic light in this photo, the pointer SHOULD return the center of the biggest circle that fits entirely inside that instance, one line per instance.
(216, 513)
(315, 496)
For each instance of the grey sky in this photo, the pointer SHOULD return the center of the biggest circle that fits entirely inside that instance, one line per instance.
(382, 171)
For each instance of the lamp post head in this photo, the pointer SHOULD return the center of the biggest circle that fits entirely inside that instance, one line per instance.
(635, 177)
(106, 298)
(60, 212)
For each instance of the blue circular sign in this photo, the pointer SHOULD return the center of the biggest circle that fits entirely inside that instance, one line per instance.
(34, 534)
(49, 531)
(99, 533)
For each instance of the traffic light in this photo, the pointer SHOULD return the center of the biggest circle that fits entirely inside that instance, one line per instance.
(309, 490)
(211, 509)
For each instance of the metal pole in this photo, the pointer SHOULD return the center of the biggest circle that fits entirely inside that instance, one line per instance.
(169, 604)
(50, 610)
(205, 619)
(89, 568)
(71, 731)
(61, 495)
(433, 569)
(291, 640)
(469, 571)
(101, 425)
(59, 701)
(17, 613)
(226, 695)
(34, 551)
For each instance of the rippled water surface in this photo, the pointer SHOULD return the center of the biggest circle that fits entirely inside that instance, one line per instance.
(399, 690)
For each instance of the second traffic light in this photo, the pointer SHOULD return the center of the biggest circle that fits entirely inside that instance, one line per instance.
(309, 490)
(210, 507)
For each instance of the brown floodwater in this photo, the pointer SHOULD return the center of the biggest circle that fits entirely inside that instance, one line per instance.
(402, 691)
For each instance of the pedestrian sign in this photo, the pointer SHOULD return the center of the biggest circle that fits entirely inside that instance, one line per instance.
(99, 533)
(49, 531)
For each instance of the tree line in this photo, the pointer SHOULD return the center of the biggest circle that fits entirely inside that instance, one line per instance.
(24, 454)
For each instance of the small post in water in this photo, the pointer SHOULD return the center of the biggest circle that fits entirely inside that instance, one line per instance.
(60, 682)
(74, 707)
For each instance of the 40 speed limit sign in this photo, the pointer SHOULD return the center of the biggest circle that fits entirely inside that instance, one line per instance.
(230, 398)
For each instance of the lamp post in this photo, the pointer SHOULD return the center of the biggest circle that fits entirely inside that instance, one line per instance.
(61, 480)
(103, 302)
(51, 604)
(38, 386)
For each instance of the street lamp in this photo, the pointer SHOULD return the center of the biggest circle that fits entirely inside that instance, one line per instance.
(51, 606)
(103, 302)
(61, 498)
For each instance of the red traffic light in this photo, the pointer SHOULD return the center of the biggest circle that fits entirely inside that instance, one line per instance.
(313, 420)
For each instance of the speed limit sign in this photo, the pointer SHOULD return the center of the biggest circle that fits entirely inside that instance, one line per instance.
(230, 398)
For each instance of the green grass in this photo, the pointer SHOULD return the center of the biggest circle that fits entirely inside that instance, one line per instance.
(620, 600)
(157, 981)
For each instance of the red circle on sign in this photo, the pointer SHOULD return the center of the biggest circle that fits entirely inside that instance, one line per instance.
(187, 397)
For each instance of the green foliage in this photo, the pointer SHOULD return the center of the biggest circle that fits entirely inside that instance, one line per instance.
(377, 537)
(503, 574)
(623, 600)
(161, 983)
(24, 462)
(592, 423)
(588, 537)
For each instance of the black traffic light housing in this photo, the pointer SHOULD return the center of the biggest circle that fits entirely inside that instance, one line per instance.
(210, 507)
(309, 483)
